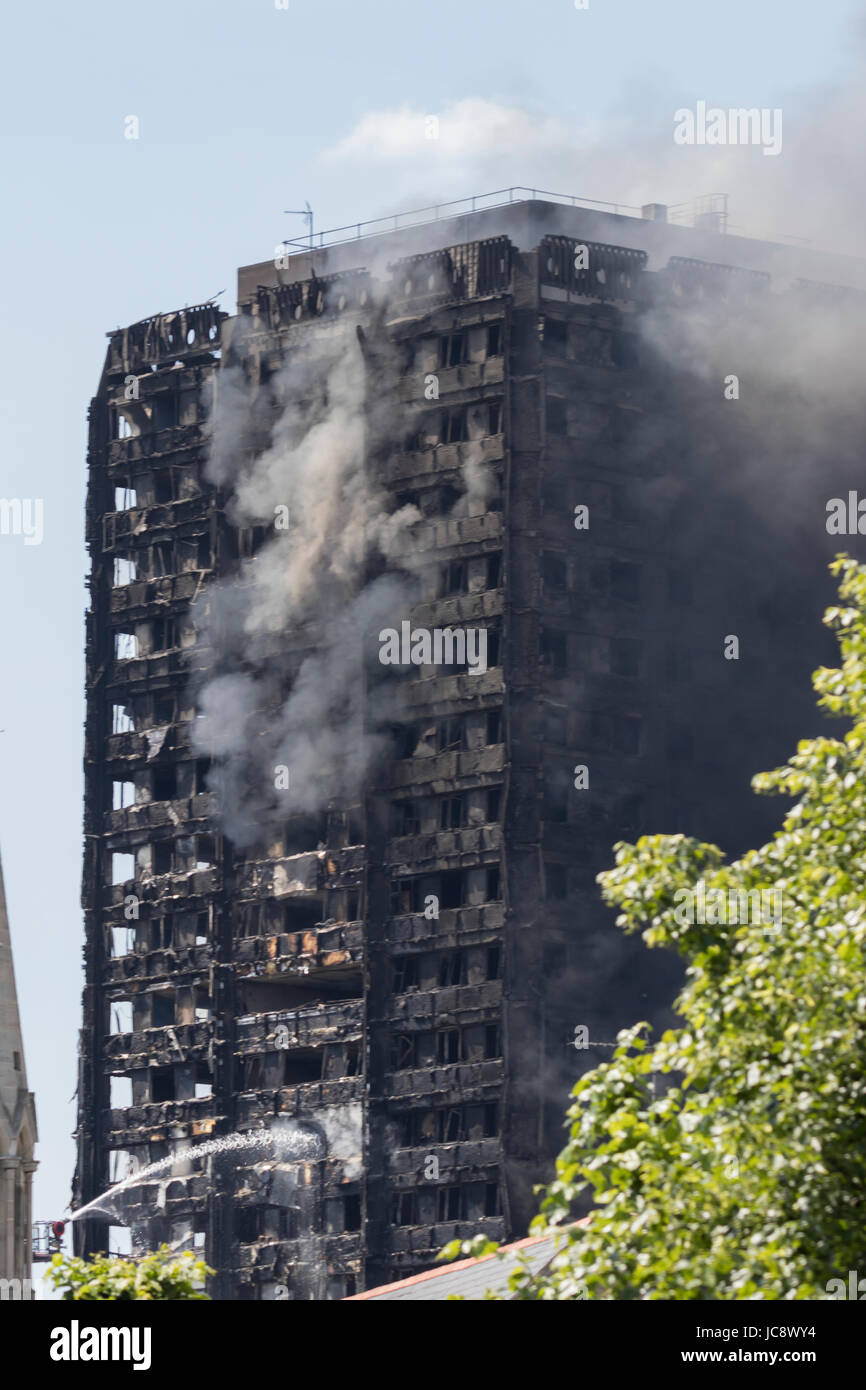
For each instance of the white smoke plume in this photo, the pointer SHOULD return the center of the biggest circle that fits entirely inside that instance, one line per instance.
(288, 637)
(812, 192)
(289, 641)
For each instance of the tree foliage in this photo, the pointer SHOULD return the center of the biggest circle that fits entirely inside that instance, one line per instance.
(159, 1275)
(745, 1177)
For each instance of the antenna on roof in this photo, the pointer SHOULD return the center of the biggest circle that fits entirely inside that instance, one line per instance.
(305, 211)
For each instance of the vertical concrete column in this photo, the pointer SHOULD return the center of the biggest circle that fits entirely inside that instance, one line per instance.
(7, 1218)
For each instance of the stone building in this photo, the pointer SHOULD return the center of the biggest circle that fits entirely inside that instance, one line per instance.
(17, 1122)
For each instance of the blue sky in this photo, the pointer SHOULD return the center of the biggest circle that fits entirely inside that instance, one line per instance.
(246, 110)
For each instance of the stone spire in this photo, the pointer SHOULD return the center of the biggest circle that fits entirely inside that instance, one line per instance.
(17, 1121)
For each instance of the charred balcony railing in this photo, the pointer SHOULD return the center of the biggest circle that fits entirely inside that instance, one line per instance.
(611, 274)
(165, 337)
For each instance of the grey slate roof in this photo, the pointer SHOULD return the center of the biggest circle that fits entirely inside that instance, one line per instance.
(467, 1278)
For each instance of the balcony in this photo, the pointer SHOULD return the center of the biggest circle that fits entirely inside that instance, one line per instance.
(142, 746)
(467, 1154)
(463, 926)
(446, 849)
(442, 458)
(455, 534)
(468, 376)
(174, 661)
(196, 883)
(142, 594)
(451, 771)
(135, 1124)
(118, 527)
(150, 815)
(475, 1081)
(427, 1241)
(295, 873)
(144, 966)
(316, 949)
(416, 696)
(452, 1006)
(459, 610)
(300, 1101)
(308, 1026)
(163, 1047)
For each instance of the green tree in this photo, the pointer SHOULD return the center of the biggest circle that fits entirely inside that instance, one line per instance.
(746, 1177)
(159, 1275)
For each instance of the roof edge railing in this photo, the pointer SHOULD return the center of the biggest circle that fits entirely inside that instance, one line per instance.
(436, 212)
(709, 209)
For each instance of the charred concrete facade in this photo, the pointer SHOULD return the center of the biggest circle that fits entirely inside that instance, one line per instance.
(426, 1052)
